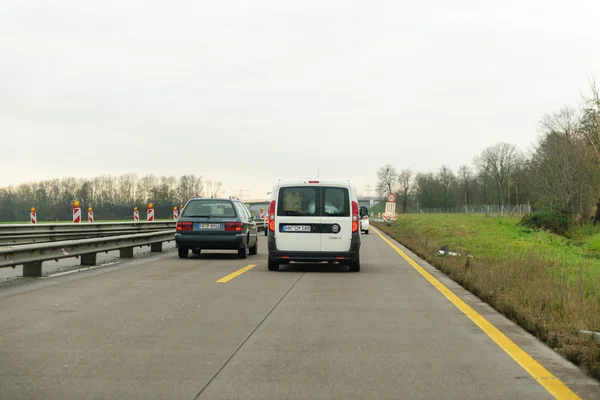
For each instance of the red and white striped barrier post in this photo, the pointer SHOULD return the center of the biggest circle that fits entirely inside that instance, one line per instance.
(150, 215)
(175, 213)
(262, 213)
(180, 208)
(90, 215)
(76, 212)
(33, 216)
(136, 215)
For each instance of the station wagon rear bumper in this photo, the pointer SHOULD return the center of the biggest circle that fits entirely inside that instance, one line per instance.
(210, 242)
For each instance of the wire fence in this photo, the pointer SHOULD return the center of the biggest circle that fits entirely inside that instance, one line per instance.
(486, 209)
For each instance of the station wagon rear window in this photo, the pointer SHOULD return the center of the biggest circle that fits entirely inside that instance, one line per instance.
(209, 208)
(303, 201)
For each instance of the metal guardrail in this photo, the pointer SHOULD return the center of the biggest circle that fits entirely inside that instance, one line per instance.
(16, 234)
(32, 255)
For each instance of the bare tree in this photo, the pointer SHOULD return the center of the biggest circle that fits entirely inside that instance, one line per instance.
(590, 121)
(447, 179)
(387, 178)
(564, 122)
(563, 177)
(188, 186)
(465, 181)
(213, 189)
(499, 162)
(405, 187)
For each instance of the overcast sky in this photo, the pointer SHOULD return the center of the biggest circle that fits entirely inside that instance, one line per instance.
(247, 92)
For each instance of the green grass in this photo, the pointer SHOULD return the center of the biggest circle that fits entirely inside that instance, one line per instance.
(377, 208)
(482, 236)
(548, 284)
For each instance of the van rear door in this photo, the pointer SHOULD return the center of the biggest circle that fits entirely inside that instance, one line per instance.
(336, 220)
(298, 220)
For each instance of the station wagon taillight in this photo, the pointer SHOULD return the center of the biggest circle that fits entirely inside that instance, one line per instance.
(355, 216)
(272, 216)
(233, 226)
(184, 226)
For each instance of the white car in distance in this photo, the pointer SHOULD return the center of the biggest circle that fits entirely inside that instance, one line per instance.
(364, 219)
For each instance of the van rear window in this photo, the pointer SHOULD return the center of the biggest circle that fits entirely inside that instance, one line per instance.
(298, 201)
(303, 201)
(336, 202)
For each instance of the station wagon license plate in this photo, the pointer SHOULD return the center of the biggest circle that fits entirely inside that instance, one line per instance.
(209, 226)
(296, 228)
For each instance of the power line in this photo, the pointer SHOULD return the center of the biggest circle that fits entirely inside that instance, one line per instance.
(241, 193)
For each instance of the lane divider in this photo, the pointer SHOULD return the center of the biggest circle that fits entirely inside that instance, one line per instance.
(236, 273)
(544, 377)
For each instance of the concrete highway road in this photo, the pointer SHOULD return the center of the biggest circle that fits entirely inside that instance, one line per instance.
(216, 327)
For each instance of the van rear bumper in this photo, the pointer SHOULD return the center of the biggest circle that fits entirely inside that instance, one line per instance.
(280, 256)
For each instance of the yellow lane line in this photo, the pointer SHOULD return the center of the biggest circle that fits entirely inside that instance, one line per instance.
(552, 384)
(236, 273)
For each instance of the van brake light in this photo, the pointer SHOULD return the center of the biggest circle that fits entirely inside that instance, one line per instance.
(272, 216)
(355, 216)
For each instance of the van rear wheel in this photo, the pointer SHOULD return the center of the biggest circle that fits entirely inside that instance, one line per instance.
(355, 265)
(272, 265)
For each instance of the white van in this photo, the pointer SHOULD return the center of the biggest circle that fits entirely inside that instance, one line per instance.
(314, 220)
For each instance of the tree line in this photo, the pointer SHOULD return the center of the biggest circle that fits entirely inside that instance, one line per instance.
(111, 197)
(560, 174)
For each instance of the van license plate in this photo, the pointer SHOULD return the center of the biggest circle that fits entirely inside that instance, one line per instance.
(296, 228)
(209, 226)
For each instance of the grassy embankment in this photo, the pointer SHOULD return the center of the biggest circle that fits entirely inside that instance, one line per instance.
(548, 284)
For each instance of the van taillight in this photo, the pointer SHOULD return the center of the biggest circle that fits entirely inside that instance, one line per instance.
(355, 216)
(184, 226)
(233, 226)
(272, 216)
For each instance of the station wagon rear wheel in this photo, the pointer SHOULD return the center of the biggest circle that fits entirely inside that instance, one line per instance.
(183, 252)
(243, 252)
(254, 249)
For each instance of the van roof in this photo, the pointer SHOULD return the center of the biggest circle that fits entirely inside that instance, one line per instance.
(308, 181)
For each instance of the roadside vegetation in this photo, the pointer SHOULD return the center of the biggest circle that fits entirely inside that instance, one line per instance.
(540, 268)
(111, 197)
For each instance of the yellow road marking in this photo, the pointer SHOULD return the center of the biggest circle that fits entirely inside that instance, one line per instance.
(236, 273)
(552, 384)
